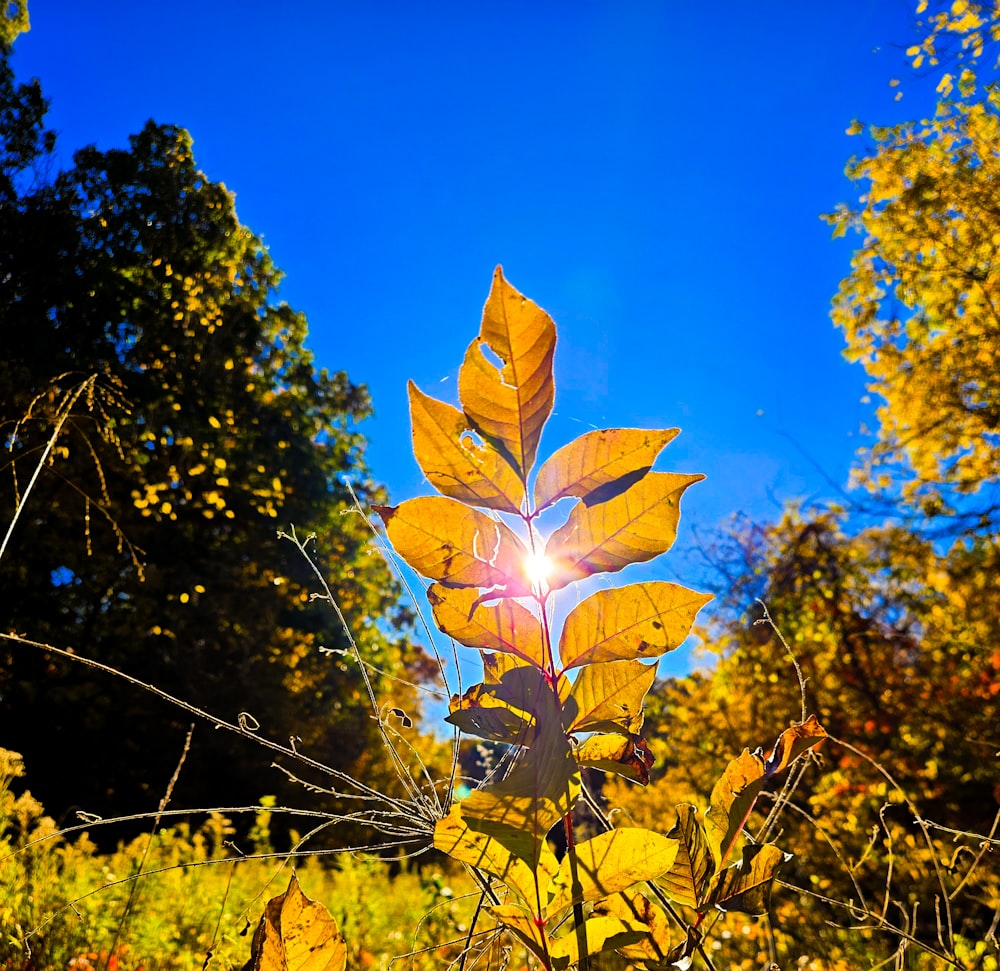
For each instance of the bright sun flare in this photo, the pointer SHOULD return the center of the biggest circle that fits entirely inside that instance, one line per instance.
(538, 567)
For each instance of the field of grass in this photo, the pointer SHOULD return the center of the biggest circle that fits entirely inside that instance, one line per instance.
(195, 905)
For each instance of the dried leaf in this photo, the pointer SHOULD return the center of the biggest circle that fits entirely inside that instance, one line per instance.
(688, 878)
(524, 926)
(509, 406)
(734, 795)
(793, 742)
(633, 527)
(641, 620)
(296, 934)
(625, 755)
(603, 461)
(746, 886)
(454, 463)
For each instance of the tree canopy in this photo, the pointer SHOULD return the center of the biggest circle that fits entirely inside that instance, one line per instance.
(920, 309)
(140, 323)
(887, 609)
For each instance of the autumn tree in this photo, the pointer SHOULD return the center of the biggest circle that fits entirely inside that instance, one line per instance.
(888, 619)
(895, 645)
(920, 309)
(140, 322)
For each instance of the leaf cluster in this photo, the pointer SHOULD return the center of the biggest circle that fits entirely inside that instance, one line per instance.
(566, 700)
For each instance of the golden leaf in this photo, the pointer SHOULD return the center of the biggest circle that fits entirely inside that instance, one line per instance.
(609, 697)
(688, 878)
(609, 863)
(453, 836)
(625, 755)
(540, 790)
(599, 460)
(633, 527)
(506, 626)
(447, 541)
(454, 463)
(509, 406)
(296, 934)
(640, 620)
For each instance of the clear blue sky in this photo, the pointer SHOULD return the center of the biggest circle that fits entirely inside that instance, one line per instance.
(649, 172)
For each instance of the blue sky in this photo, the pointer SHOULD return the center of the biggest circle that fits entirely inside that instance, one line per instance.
(650, 173)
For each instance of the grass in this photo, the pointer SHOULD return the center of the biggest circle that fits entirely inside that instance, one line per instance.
(196, 902)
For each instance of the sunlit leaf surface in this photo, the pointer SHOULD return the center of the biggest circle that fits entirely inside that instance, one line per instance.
(633, 527)
(605, 460)
(445, 540)
(454, 463)
(641, 620)
(296, 934)
(508, 405)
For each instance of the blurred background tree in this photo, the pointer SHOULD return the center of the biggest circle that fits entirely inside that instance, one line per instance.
(140, 317)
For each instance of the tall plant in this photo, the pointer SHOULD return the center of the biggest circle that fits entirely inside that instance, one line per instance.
(567, 698)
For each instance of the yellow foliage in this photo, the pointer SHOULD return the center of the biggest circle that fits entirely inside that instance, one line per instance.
(917, 309)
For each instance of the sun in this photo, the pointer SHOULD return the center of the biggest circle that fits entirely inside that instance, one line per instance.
(538, 567)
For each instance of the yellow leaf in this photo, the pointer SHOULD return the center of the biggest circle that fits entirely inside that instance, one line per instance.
(596, 934)
(445, 540)
(453, 836)
(641, 620)
(793, 742)
(734, 795)
(688, 878)
(296, 934)
(610, 863)
(506, 626)
(482, 713)
(541, 789)
(655, 949)
(455, 464)
(522, 924)
(633, 527)
(599, 460)
(606, 697)
(505, 707)
(509, 406)
(624, 755)
(746, 887)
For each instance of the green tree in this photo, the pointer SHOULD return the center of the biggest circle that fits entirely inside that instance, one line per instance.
(140, 316)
